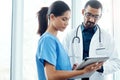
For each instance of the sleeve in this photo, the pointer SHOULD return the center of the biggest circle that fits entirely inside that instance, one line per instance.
(101, 70)
(113, 64)
(48, 51)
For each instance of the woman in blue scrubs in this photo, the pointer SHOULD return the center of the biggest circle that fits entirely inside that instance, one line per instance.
(52, 61)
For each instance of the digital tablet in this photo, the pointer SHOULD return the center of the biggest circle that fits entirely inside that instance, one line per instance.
(90, 60)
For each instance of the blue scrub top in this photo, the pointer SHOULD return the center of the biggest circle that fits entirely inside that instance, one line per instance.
(51, 50)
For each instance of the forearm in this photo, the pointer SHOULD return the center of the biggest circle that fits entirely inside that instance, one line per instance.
(53, 74)
(63, 75)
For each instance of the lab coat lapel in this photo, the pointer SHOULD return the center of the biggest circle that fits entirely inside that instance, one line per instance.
(94, 44)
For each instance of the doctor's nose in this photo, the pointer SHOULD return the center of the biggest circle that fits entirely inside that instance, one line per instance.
(92, 19)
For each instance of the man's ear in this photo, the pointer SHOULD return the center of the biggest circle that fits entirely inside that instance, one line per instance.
(83, 11)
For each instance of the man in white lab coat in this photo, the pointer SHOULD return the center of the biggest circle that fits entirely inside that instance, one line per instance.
(89, 40)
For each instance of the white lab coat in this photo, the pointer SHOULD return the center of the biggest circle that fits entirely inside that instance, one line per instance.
(75, 51)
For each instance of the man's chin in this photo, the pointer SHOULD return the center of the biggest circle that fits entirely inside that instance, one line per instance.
(88, 27)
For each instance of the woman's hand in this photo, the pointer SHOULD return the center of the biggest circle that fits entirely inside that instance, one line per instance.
(93, 67)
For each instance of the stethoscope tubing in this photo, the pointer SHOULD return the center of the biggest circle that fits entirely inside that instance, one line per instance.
(77, 37)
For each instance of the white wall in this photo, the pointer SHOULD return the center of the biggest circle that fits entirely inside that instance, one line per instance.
(5, 38)
(116, 29)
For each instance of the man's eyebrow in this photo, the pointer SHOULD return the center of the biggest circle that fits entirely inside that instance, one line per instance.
(93, 14)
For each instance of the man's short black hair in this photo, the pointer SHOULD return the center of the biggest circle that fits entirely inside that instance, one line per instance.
(94, 4)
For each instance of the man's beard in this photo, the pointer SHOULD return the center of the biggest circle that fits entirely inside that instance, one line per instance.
(89, 24)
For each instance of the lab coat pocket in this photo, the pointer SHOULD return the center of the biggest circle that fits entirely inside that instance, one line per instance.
(101, 51)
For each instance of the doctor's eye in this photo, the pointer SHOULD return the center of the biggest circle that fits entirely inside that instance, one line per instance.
(89, 15)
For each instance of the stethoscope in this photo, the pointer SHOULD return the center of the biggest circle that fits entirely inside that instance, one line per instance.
(78, 38)
(100, 46)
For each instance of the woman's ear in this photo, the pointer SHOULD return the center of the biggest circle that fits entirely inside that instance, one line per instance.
(52, 17)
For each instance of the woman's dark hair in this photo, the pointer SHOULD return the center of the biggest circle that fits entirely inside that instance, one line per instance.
(94, 4)
(42, 20)
(57, 8)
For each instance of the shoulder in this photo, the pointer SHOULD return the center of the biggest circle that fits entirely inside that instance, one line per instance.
(47, 39)
(105, 33)
(106, 36)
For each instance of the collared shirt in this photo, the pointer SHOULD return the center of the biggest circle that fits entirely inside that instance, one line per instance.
(87, 35)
